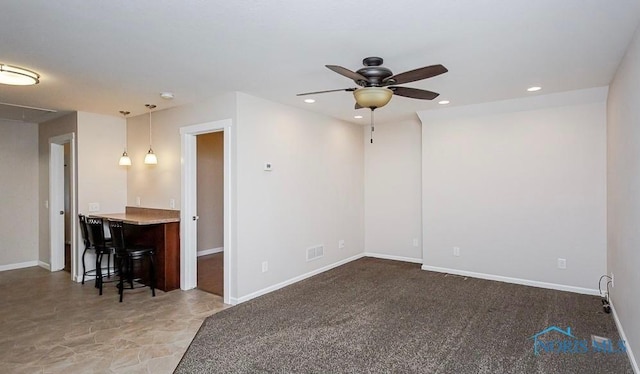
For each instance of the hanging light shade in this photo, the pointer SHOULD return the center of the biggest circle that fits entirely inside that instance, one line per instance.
(372, 97)
(124, 159)
(16, 76)
(150, 158)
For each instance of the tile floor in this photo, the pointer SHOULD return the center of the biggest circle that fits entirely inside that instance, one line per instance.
(49, 324)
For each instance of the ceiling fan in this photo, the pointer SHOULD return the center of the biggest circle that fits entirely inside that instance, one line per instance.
(378, 84)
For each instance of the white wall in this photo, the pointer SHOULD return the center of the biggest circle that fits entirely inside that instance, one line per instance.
(516, 185)
(156, 185)
(101, 180)
(393, 192)
(100, 142)
(623, 169)
(18, 189)
(210, 179)
(313, 195)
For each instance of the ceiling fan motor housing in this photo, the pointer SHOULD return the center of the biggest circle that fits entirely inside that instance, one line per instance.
(374, 72)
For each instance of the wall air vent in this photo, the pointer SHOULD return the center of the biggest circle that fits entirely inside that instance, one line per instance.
(315, 252)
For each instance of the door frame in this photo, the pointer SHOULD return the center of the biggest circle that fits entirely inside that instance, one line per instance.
(188, 211)
(56, 202)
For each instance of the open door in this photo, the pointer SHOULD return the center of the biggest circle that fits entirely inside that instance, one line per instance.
(57, 202)
(189, 213)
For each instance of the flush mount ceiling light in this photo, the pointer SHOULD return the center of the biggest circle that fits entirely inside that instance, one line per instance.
(443, 102)
(309, 101)
(534, 89)
(372, 97)
(16, 76)
(150, 158)
(167, 95)
(124, 159)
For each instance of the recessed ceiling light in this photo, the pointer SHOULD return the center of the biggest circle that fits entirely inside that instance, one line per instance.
(443, 102)
(166, 95)
(309, 101)
(534, 89)
(357, 117)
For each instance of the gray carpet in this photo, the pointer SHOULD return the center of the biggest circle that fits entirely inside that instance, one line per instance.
(381, 316)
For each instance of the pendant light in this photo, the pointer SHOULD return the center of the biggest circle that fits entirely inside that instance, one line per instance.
(150, 158)
(124, 159)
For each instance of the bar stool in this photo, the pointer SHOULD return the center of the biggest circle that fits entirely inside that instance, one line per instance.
(127, 257)
(88, 246)
(97, 242)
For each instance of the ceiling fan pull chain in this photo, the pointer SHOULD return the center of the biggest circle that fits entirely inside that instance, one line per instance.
(372, 125)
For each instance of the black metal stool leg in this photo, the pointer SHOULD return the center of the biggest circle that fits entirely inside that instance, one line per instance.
(99, 272)
(121, 283)
(153, 274)
(84, 267)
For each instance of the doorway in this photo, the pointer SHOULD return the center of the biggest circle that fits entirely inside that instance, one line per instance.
(67, 207)
(62, 205)
(210, 208)
(189, 206)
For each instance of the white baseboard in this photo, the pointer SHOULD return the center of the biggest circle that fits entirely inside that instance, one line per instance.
(524, 282)
(623, 336)
(44, 265)
(266, 290)
(20, 265)
(395, 258)
(211, 251)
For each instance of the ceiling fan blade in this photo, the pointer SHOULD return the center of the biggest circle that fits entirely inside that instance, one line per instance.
(414, 93)
(348, 73)
(416, 75)
(319, 92)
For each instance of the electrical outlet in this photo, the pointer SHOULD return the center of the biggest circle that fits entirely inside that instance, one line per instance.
(172, 203)
(94, 207)
(415, 242)
(562, 263)
(340, 244)
(456, 251)
(138, 200)
(265, 266)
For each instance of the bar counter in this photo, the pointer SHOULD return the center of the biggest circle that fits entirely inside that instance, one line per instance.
(158, 228)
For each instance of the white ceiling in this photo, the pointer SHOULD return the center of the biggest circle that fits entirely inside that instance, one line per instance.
(106, 56)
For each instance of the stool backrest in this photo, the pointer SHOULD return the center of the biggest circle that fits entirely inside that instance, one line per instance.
(117, 234)
(83, 230)
(95, 232)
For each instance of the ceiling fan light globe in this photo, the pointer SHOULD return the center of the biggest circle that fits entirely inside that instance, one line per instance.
(372, 97)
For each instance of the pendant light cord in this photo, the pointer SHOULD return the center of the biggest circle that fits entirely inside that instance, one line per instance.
(150, 107)
(149, 128)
